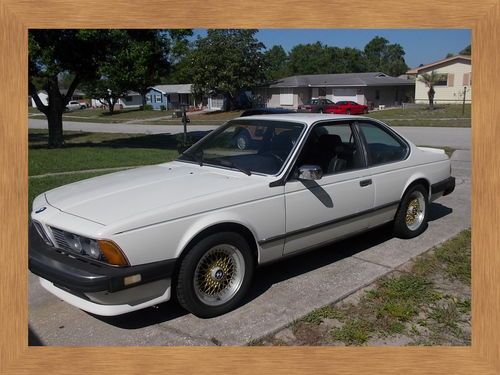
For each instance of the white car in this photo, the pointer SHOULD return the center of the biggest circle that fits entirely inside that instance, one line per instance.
(198, 226)
(73, 105)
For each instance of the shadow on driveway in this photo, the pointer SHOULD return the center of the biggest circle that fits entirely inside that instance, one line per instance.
(266, 276)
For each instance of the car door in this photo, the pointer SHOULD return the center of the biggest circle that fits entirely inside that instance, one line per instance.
(355, 108)
(386, 155)
(319, 211)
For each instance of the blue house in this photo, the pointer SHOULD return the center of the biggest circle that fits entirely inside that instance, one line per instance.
(170, 96)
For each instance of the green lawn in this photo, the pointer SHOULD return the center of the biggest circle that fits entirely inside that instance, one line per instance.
(440, 111)
(83, 151)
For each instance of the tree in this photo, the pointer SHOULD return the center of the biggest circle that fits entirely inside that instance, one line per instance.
(449, 54)
(276, 63)
(466, 51)
(149, 55)
(226, 61)
(74, 52)
(384, 57)
(430, 80)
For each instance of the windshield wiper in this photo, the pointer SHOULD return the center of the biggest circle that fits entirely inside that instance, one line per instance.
(230, 164)
(195, 157)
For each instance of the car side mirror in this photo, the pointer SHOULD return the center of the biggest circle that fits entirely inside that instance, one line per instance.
(310, 172)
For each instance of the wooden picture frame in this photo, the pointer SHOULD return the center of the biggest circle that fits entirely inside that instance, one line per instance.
(482, 16)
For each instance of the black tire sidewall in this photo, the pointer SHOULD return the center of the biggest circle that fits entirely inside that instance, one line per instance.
(400, 228)
(186, 295)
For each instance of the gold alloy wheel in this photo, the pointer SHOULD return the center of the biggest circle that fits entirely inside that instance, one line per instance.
(219, 274)
(415, 212)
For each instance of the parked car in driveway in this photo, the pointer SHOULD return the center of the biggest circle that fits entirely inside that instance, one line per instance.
(349, 108)
(198, 226)
(317, 106)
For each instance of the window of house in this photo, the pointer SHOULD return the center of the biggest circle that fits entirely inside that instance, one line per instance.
(321, 91)
(158, 98)
(148, 98)
(128, 98)
(286, 96)
(442, 80)
(383, 147)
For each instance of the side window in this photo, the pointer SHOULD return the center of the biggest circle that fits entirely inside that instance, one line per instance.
(333, 148)
(383, 147)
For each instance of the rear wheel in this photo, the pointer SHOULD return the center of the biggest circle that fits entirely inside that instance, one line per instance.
(411, 218)
(215, 275)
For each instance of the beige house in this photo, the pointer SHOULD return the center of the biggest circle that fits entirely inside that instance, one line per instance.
(456, 79)
(372, 89)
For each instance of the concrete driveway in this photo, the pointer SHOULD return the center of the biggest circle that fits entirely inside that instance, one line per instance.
(280, 292)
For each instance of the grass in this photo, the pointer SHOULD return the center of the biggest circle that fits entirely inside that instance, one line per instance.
(84, 151)
(407, 302)
(447, 115)
(440, 111)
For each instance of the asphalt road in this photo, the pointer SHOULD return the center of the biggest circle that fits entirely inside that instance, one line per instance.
(280, 292)
(457, 138)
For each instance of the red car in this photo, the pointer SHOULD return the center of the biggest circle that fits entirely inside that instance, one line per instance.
(349, 108)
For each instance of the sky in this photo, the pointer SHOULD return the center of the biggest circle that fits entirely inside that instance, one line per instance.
(422, 46)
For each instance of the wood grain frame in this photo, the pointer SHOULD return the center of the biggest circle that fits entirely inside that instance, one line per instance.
(482, 16)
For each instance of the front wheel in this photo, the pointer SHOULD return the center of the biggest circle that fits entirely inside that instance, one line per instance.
(215, 274)
(411, 218)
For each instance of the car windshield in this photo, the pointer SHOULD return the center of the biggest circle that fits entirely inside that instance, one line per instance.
(252, 146)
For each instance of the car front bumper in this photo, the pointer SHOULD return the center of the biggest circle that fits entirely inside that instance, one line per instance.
(95, 287)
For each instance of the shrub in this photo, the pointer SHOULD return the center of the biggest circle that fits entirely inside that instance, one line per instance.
(163, 108)
(148, 107)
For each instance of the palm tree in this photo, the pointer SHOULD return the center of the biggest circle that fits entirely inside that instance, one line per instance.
(430, 79)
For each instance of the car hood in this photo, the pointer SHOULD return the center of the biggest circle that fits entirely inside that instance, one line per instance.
(114, 197)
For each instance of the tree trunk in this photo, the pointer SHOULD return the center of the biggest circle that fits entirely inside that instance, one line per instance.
(431, 97)
(54, 119)
(111, 105)
(143, 97)
(57, 104)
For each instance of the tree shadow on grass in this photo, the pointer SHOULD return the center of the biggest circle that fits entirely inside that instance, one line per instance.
(165, 141)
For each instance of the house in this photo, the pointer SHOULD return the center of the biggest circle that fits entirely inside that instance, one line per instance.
(456, 79)
(131, 100)
(372, 89)
(44, 97)
(170, 96)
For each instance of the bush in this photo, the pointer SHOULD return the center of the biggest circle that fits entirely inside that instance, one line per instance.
(163, 108)
(148, 107)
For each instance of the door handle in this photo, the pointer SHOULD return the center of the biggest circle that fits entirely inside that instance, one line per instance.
(364, 183)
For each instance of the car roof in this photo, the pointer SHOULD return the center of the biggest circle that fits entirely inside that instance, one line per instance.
(306, 118)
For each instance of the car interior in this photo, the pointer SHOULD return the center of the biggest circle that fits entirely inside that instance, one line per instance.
(328, 150)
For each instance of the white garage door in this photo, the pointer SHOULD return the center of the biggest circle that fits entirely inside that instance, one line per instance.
(344, 94)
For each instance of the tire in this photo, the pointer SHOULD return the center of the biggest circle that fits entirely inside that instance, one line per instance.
(215, 275)
(242, 140)
(411, 218)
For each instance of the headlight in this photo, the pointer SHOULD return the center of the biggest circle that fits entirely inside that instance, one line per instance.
(102, 250)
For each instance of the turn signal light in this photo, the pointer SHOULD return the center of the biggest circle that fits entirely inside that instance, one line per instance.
(113, 253)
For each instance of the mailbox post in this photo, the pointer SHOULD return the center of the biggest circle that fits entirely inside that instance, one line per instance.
(185, 121)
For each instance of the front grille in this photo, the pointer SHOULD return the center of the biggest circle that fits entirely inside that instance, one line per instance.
(61, 241)
(42, 233)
